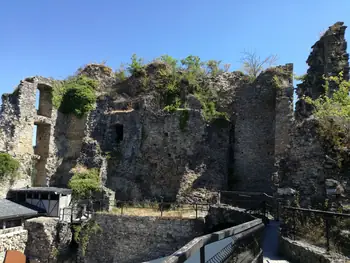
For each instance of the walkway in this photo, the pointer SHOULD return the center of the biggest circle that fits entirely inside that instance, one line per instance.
(270, 243)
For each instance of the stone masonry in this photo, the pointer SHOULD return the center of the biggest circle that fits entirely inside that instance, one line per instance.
(263, 112)
(306, 166)
(128, 239)
(48, 240)
(143, 152)
(12, 239)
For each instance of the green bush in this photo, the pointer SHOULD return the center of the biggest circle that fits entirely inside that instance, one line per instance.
(172, 62)
(75, 95)
(210, 113)
(8, 166)
(85, 183)
(177, 80)
(121, 74)
(333, 114)
(136, 67)
(213, 67)
(83, 232)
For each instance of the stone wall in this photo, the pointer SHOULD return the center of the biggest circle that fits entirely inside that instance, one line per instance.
(12, 239)
(138, 239)
(328, 57)
(48, 240)
(301, 252)
(224, 216)
(306, 165)
(259, 118)
(17, 117)
(156, 157)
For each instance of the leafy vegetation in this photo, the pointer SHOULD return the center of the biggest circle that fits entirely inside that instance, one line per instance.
(121, 73)
(177, 79)
(188, 77)
(83, 232)
(332, 109)
(8, 166)
(75, 95)
(84, 183)
(136, 67)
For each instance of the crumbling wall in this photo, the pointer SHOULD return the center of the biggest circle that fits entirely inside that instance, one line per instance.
(306, 165)
(327, 58)
(48, 240)
(155, 157)
(261, 110)
(146, 154)
(17, 116)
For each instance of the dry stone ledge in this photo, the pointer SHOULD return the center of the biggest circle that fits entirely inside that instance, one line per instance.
(302, 252)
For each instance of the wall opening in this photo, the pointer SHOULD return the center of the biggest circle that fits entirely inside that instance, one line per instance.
(35, 130)
(45, 100)
(42, 143)
(119, 132)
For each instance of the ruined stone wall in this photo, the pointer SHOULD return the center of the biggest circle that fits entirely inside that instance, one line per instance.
(156, 157)
(48, 240)
(305, 165)
(16, 122)
(327, 58)
(258, 131)
(142, 151)
(138, 239)
(12, 239)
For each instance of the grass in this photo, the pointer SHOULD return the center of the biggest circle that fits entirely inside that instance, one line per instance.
(187, 211)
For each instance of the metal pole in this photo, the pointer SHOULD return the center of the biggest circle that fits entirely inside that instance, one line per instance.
(294, 225)
(202, 255)
(161, 208)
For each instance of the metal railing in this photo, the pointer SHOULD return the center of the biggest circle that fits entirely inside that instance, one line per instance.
(317, 227)
(223, 255)
(161, 209)
(240, 234)
(84, 208)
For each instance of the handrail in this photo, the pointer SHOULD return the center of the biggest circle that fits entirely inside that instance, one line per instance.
(316, 211)
(248, 194)
(198, 243)
(326, 216)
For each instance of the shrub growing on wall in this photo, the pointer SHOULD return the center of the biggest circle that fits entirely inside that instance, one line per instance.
(8, 166)
(333, 114)
(75, 95)
(84, 183)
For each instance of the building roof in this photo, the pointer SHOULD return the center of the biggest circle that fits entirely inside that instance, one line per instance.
(11, 209)
(54, 190)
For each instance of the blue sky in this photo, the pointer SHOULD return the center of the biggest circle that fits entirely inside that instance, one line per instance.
(54, 38)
